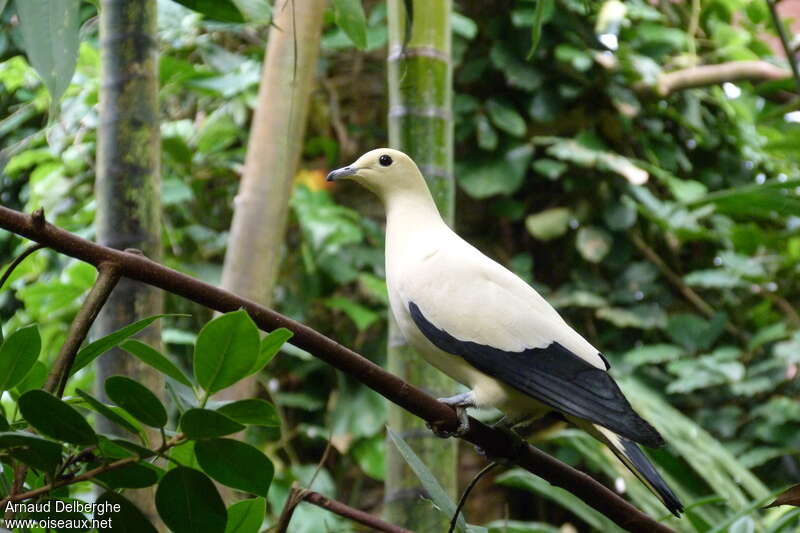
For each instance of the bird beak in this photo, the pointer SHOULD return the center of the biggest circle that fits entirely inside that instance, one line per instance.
(341, 173)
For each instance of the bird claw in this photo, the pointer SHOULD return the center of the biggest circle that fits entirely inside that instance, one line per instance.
(459, 402)
(518, 444)
(461, 429)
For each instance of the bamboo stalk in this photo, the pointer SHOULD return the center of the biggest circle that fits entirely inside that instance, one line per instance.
(420, 124)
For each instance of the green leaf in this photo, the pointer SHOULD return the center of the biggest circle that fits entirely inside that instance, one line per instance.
(432, 486)
(155, 359)
(235, 464)
(206, 424)
(486, 176)
(520, 479)
(188, 502)
(653, 354)
(506, 118)
(270, 346)
(92, 351)
(593, 243)
(255, 10)
(18, 354)
(371, 457)
(33, 380)
(693, 332)
(55, 418)
(50, 33)
(351, 19)
(252, 411)
(227, 349)
(549, 224)
(132, 476)
(128, 519)
(536, 30)
(246, 516)
(550, 168)
(32, 450)
(487, 136)
(106, 411)
(137, 400)
(222, 10)
(361, 316)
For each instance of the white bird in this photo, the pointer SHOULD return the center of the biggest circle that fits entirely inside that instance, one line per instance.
(482, 325)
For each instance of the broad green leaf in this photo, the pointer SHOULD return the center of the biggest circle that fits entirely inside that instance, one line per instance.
(227, 349)
(222, 10)
(432, 486)
(235, 464)
(137, 400)
(486, 176)
(97, 348)
(549, 224)
(351, 19)
(206, 424)
(55, 418)
(155, 359)
(255, 10)
(129, 519)
(31, 449)
(132, 476)
(371, 457)
(33, 380)
(50, 33)
(593, 243)
(18, 354)
(188, 502)
(252, 411)
(549, 168)
(653, 354)
(516, 526)
(506, 118)
(106, 411)
(270, 346)
(246, 516)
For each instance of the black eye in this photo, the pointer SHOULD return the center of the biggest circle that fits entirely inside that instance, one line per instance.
(385, 160)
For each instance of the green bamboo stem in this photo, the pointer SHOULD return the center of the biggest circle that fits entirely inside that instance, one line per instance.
(420, 124)
(128, 181)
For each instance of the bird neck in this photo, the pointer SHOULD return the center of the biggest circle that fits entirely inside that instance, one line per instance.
(413, 222)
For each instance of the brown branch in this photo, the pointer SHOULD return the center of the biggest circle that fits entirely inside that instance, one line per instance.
(705, 75)
(493, 441)
(107, 277)
(89, 474)
(355, 515)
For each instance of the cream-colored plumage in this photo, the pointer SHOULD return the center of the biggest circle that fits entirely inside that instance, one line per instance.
(472, 312)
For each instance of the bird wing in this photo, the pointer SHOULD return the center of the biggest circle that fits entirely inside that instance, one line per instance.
(467, 305)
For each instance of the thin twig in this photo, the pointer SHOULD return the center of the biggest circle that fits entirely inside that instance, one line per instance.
(465, 495)
(493, 441)
(89, 474)
(108, 275)
(292, 500)
(787, 47)
(20, 258)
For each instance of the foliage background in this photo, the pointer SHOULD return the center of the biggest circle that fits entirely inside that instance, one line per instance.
(687, 282)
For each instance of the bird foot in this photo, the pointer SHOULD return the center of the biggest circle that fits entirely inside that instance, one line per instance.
(459, 402)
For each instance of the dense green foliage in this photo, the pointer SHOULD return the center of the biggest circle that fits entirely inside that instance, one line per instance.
(688, 282)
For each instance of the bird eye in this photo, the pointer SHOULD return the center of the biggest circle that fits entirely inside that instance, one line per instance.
(385, 160)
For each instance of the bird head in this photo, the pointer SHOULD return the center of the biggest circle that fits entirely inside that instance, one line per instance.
(382, 171)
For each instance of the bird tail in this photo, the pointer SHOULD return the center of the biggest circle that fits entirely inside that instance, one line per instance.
(637, 462)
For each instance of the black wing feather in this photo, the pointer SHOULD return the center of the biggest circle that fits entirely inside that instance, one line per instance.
(553, 375)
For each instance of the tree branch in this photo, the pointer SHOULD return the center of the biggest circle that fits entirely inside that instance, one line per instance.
(705, 75)
(107, 277)
(355, 515)
(493, 441)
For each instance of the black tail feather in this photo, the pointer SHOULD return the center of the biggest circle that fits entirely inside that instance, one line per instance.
(646, 470)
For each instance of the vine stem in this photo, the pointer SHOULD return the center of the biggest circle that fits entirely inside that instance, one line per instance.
(20, 258)
(463, 500)
(787, 47)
